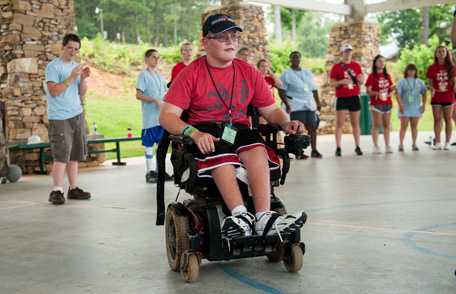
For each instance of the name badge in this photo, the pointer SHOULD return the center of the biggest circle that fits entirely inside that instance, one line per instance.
(410, 98)
(383, 96)
(350, 86)
(306, 88)
(442, 87)
(229, 134)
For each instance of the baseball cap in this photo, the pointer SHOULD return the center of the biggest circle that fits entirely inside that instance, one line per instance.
(218, 23)
(346, 47)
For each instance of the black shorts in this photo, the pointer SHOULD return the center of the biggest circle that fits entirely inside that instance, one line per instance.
(307, 117)
(228, 154)
(441, 104)
(351, 104)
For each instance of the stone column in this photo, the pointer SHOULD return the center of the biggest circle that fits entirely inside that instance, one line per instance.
(3, 159)
(31, 33)
(251, 19)
(365, 41)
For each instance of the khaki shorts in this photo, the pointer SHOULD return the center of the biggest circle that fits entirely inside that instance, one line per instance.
(68, 139)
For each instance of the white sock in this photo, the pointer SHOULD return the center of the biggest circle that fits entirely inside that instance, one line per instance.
(57, 188)
(149, 156)
(259, 214)
(238, 210)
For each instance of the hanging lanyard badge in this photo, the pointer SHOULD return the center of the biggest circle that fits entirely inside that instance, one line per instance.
(411, 91)
(229, 132)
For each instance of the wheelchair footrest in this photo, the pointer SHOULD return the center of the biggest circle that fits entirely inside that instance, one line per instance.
(252, 246)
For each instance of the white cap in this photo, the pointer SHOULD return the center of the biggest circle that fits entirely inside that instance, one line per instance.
(346, 47)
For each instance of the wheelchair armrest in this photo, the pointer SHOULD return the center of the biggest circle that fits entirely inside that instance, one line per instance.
(181, 139)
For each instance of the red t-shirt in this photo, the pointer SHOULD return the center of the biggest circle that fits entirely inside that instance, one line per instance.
(384, 85)
(339, 72)
(176, 70)
(443, 87)
(194, 91)
(270, 81)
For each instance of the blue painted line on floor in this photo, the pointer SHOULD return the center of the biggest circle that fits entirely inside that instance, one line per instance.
(248, 281)
(409, 239)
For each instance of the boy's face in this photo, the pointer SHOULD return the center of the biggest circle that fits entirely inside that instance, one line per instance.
(70, 50)
(152, 60)
(222, 46)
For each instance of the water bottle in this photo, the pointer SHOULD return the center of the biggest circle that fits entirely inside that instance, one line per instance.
(94, 128)
(129, 134)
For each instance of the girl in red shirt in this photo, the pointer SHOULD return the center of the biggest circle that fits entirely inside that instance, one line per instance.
(346, 77)
(442, 75)
(272, 81)
(380, 87)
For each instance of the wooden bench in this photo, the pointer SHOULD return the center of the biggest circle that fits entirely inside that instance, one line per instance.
(44, 145)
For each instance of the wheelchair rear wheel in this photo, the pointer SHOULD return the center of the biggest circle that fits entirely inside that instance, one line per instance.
(176, 230)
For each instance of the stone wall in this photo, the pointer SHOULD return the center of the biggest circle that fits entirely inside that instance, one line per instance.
(364, 38)
(3, 159)
(31, 32)
(251, 19)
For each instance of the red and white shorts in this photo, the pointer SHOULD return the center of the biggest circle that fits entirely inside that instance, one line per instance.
(228, 154)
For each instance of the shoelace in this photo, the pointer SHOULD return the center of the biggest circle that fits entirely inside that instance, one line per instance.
(278, 232)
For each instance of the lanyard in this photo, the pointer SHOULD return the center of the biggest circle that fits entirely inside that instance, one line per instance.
(411, 89)
(300, 76)
(218, 93)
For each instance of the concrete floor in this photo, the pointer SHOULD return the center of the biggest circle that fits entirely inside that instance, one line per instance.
(377, 224)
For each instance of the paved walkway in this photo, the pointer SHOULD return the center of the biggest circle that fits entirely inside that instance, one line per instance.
(377, 224)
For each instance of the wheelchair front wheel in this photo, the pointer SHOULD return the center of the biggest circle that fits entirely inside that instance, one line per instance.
(176, 230)
(190, 266)
(294, 258)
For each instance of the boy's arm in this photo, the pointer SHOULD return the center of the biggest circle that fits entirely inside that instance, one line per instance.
(317, 99)
(275, 115)
(140, 96)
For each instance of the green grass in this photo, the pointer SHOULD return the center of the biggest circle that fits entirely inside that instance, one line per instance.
(113, 116)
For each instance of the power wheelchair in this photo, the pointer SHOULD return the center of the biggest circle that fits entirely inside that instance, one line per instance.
(193, 227)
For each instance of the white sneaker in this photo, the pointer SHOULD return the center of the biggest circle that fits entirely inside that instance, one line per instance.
(388, 149)
(446, 146)
(237, 226)
(437, 146)
(271, 223)
(376, 150)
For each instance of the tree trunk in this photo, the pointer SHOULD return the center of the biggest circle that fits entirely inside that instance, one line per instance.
(293, 26)
(277, 24)
(425, 15)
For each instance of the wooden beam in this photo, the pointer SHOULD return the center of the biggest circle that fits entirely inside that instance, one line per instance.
(319, 6)
(404, 4)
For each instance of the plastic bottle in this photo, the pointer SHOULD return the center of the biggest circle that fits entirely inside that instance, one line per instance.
(94, 128)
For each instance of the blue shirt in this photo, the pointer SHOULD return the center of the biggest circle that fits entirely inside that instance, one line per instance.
(68, 103)
(410, 90)
(152, 84)
(299, 85)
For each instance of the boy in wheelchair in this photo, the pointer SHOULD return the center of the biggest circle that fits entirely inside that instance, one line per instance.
(215, 91)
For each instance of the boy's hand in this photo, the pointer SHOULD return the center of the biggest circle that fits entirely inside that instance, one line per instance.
(293, 127)
(204, 141)
(76, 72)
(85, 73)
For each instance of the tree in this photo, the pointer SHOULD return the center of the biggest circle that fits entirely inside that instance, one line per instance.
(164, 22)
(405, 26)
(307, 31)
